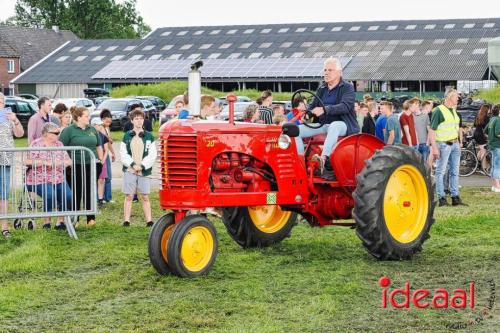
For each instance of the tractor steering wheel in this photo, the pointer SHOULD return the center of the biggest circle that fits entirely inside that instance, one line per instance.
(309, 119)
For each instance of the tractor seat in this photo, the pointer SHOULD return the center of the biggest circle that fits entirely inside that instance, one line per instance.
(318, 139)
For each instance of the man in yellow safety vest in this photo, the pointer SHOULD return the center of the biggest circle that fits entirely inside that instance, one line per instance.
(445, 142)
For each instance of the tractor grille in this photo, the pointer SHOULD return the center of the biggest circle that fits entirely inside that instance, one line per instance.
(179, 162)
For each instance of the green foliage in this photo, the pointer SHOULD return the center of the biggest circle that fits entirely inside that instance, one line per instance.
(170, 89)
(88, 19)
(318, 280)
(490, 95)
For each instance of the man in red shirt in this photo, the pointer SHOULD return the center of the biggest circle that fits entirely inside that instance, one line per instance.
(408, 124)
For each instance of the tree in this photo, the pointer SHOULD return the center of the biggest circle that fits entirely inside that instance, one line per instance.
(88, 19)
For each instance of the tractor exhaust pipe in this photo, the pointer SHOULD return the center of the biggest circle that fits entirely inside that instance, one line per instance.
(231, 99)
(194, 88)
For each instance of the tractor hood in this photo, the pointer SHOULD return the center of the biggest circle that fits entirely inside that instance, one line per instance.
(216, 126)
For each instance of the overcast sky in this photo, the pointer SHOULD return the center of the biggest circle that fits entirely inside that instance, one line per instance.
(162, 13)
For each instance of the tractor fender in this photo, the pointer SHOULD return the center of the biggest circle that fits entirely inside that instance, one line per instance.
(349, 156)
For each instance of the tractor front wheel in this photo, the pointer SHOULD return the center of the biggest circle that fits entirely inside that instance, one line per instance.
(394, 203)
(158, 241)
(192, 246)
(258, 226)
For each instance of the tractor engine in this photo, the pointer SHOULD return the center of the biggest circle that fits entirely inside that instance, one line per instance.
(237, 172)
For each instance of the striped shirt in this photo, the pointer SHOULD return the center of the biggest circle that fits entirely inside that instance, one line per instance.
(266, 114)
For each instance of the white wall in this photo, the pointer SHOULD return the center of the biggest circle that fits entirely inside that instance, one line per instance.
(66, 90)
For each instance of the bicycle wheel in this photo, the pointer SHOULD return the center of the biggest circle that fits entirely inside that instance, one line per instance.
(486, 165)
(468, 163)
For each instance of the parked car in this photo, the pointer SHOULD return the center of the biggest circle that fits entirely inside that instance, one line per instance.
(239, 107)
(79, 102)
(28, 96)
(149, 109)
(159, 103)
(287, 105)
(22, 108)
(169, 111)
(99, 100)
(93, 93)
(120, 108)
(223, 100)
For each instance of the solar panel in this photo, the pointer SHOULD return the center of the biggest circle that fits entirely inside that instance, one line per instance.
(215, 68)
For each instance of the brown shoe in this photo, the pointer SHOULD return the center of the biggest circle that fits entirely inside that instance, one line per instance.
(91, 223)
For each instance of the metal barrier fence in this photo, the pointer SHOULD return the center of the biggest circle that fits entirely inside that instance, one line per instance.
(47, 182)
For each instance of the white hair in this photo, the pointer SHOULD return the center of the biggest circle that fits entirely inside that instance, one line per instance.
(333, 61)
(450, 93)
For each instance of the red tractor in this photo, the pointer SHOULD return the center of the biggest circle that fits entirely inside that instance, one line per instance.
(254, 176)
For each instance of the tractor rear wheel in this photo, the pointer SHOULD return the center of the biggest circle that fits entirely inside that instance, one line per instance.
(158, 243)
(192, 246)
(258, 226)
(394, 203)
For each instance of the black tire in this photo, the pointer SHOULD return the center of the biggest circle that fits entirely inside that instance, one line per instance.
(18, 224)
(371, 223)
(243, 230)
(31, 225)
(468, 163)
(174, 252)
(156, 248)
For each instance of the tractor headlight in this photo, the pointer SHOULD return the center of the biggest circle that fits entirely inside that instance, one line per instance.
(284, 141)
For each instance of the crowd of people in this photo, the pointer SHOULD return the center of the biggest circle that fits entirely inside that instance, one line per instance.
(434, 132)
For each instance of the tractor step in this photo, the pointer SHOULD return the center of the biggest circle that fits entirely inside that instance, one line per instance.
(319, 180)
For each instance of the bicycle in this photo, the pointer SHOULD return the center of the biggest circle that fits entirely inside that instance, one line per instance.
(469, 163)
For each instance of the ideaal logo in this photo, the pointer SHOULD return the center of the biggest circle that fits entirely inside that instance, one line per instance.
(423, 298)
(441, 299)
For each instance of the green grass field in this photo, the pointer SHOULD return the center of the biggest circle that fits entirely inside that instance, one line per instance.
(318, 280)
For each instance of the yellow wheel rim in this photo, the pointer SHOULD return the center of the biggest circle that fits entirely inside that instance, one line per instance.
(406, 204)
(269, 218)
(197, 248)
(164, 241)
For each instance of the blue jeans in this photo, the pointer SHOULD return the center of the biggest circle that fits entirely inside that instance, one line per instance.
(332, 131)
(54, 194)
(448, 156)
(107, 181)
(495, 163)
(423, 149)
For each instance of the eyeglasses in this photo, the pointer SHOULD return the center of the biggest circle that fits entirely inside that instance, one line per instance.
(56, 133)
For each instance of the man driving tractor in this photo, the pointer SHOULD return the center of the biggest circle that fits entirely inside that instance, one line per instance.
(337, 96)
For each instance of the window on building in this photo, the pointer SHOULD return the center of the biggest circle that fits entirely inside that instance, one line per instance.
(111, 48)
(306, 44)
(408, 53)
(136, 57)
(234, 56)
(205, 46)
(148, 47)
(355, 28)
(410, 27)
(61, 59)
(373, 27)
(449, 26)
(186, 46)
(286, 45)
(337, 29)
(248, 31)
(245, 45)
(254, 55)
(80, 58)
(175, 56)
(98, 58)
(297, 55)
(231, 32)
(117, 57)
(391, 27)
(167, 47)
(214, 32)
(129, 48)
(182, 33)
(166, 33)
(439, 41)
(198, 32)
(488, 25)
(10, 66)
(155, 57)
(225, 46)
(372, 42)
(385, 53)
(214, 56)
(265, 45)
(469, 25)
(319, 55)
(75, 49)
(455, 51)
(350, 43)
(318, 29)
(431, 52)
(276, 55)
(194, 56)
(93, 48)
(462, 41)
(363, 53)
(479, 51)
(394, 42)
(265, 31)
(300, 29)
(283, 30)
(430, 26)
